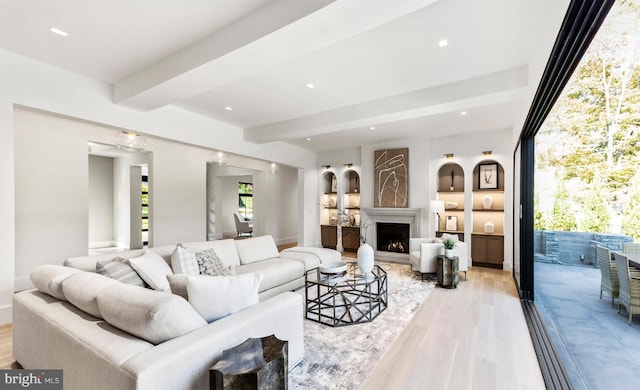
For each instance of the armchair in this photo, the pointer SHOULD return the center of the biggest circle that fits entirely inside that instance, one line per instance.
(242, 226)
(423, 254)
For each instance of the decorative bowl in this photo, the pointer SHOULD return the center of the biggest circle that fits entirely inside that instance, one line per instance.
(335, 267)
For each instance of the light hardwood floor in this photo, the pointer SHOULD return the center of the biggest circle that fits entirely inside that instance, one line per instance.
(472, 337)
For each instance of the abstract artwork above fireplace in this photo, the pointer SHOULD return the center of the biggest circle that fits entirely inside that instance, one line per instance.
(391, 183)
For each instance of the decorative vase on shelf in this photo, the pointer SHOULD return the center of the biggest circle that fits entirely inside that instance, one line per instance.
(365, 258)
(448, 253)
(488, 227)
(487, 201)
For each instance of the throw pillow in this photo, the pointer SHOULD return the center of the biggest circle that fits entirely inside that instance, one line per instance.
(48, 279)
(150, 315)
(184, 261)
(120, 269)
(210, 264)
(178, 285)
(152, 269)
(215, 297)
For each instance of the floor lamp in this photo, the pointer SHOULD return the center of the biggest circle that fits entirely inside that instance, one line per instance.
(437, 207)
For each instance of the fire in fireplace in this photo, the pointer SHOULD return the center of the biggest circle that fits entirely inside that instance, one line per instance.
(392, 237)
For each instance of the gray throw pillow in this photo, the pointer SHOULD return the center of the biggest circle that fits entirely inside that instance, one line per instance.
(120, 269)
(210, 264)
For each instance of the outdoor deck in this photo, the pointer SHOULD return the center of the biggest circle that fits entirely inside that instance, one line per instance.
(597, 346)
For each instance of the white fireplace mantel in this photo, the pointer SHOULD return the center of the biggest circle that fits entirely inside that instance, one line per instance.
(373, 215)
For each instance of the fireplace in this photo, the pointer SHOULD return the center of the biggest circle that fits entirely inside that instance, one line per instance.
(392, 237)
(380, 219)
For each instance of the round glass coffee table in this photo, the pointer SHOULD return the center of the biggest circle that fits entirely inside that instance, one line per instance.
(345, 298)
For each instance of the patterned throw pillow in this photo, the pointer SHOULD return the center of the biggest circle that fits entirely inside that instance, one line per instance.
(210, 264)
(120, 269)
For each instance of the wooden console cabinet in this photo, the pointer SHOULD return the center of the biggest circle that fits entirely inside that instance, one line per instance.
(351, 238)
(487, 250)
(329, 236)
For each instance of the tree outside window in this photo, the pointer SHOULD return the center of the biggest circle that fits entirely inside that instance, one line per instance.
(245, 200)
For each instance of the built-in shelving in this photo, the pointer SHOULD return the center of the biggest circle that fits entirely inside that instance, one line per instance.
(487, 231)
(451, 192)
(340, 209)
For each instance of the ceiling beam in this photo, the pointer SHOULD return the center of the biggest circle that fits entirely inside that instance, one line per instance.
(499, 87)
(267, 37)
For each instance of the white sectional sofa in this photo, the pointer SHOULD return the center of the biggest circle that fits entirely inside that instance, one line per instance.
(106, 334)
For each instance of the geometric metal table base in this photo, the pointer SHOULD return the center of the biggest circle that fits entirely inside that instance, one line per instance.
(351, 299)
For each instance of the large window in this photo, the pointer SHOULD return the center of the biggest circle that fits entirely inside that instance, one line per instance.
(245, 200)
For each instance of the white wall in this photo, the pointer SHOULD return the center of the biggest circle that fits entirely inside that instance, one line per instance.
(29, 83)
(122, 197)
(101, 201)
(52, 191)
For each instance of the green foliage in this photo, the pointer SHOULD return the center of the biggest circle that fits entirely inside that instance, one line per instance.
(630, 220)
(539, 220)
(448, 243)
(591, 136)
(595, 215)
(562, 218)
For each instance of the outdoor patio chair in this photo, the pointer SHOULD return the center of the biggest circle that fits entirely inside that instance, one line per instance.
(631, 247)
(608, 273)
(629, 286)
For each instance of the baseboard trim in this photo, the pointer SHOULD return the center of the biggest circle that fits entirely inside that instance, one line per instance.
(553, 372)
(6, 315)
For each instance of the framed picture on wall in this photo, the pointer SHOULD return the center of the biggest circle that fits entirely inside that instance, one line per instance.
(488, 176)
(451, 223)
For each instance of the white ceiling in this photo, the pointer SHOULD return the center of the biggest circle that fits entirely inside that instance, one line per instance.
(374, 63)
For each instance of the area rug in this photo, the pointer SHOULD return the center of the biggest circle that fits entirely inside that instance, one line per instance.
(343, 357)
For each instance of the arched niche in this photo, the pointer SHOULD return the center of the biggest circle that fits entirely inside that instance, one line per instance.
(451, 193)
(451, 178)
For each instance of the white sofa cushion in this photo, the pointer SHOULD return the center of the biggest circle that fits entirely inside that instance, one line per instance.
(256, 249)
(184, 261)
(120, 270)
(152, 269)
(275, 272)
(151, 315)
(48, 279)
(215, 297)
(225, 249)
(81, 290)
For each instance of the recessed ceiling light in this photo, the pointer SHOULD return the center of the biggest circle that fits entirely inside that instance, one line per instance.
(310, 86)
(443, 43)
(308, 139)
(463, 113)
(228, 108)
(372, 128)
(59, 32)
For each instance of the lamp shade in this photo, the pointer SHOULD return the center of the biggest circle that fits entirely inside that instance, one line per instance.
(436, 206)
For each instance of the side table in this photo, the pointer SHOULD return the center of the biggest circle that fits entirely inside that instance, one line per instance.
(447, 271)
(255, 364)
